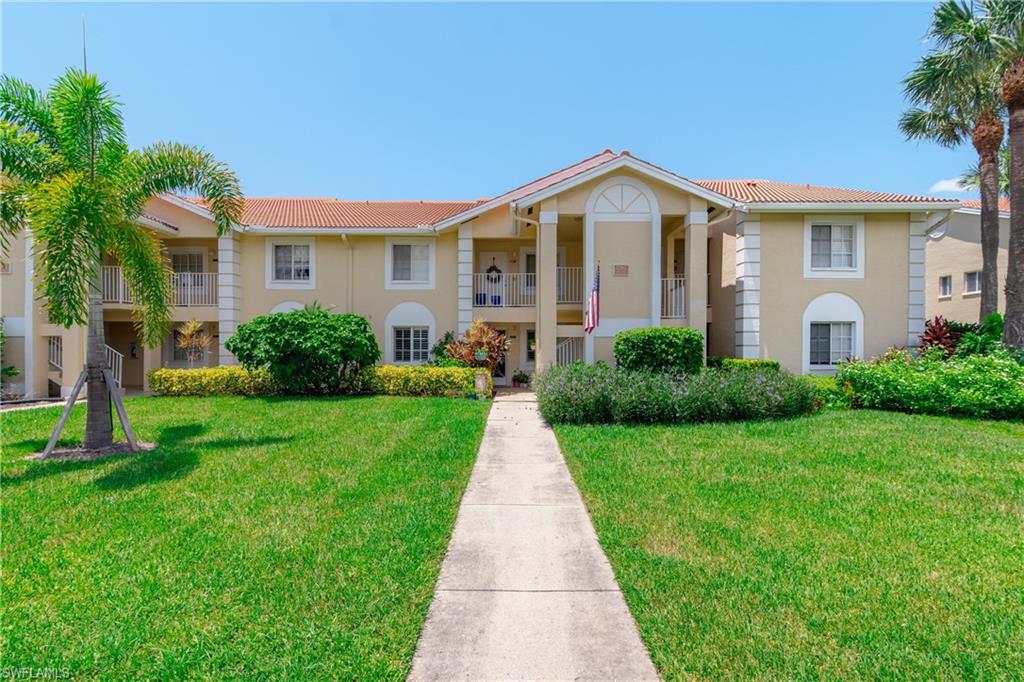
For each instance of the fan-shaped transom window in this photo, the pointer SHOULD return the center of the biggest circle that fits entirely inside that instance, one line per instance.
(622, 198)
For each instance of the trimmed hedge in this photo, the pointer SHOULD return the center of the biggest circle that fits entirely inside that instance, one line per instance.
(661, 349)
(210, 381)
(988, 387)
(598, 394)
(830, 393)
(751, 363)
(425, 380)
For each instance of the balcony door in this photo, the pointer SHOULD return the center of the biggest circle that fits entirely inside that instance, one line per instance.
(189, 266)
(492, 279)
(528, 266)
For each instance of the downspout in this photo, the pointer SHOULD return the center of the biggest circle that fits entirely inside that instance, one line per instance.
(521, 218)
(348, 245)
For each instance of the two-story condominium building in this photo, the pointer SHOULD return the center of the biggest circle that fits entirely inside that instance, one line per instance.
(802, 274)
(953, 258)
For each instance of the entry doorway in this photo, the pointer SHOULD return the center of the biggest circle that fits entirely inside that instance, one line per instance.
(500, 374)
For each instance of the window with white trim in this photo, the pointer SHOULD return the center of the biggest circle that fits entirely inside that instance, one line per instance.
(831, 343)
(412, 344)
(291, 263)
(972, 282)
(833, 246)
(945, 286)
(410, 263)
(190, 261)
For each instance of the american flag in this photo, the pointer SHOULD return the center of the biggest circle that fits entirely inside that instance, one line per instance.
(593, 316)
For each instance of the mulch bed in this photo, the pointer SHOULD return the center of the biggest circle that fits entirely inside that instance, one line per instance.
(77, 453)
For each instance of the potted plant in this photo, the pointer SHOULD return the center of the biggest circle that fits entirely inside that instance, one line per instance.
(520, 378)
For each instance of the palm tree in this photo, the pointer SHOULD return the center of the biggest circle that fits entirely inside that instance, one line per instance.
(71, 180)
(954, 96)
(1005, 19)
(971, 178)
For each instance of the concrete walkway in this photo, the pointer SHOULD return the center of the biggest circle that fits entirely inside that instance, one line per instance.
(525, 591)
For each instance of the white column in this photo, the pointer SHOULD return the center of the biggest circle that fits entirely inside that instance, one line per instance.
(916, 274)
(465, 290)
(697, 268)
(655, 269)
(588, 280)
(229, 292)
(748, 285)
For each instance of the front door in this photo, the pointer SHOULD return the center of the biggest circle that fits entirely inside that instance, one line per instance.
(491, 279)
(500, 378)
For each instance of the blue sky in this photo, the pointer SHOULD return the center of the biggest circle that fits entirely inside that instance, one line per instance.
(468, 100)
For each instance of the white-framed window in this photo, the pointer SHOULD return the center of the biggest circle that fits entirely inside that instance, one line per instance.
(409, 263)
(412, 344)
(945, 286)
(188, 261)
(291, 263)
(831, 343)
(834, 246)
(972, 282)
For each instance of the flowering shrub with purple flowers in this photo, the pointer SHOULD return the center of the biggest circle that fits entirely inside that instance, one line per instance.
(598, 394)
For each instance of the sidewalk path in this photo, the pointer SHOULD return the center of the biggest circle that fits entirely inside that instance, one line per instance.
(525, 591)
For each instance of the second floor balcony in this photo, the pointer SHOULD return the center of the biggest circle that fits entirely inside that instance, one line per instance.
(519, 289)
(191, 289)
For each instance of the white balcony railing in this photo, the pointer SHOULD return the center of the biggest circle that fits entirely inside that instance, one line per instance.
(570, 285)
(519, 289)
(673, 298)
(568, 350)
(504, 289)
(191, 289)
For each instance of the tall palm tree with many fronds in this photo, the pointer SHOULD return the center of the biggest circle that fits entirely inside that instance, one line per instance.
(70, 179)
(953, 93)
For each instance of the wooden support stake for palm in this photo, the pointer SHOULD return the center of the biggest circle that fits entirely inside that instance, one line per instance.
(122, 414)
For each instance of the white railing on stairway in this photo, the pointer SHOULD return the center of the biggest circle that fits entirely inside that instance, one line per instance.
(115, 361)
(568, 350)
(673, 298)
(191, 289)
(570, 285)
(504, 289)
(519, 289)
(55, 352)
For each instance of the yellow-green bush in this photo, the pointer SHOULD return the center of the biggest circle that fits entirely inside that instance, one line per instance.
(210, 381)
(425, 380)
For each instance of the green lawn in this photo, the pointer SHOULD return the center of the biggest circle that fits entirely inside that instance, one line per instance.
(272, 538)
(845, 545)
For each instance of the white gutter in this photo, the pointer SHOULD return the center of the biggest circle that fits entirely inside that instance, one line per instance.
(849, 206)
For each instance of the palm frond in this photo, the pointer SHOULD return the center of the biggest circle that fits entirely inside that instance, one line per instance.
(13, 212)
(68, 244)
(87, 116)
(971, 177)
(148, 275)
(940, 126)
(173, 167)
(28, 109)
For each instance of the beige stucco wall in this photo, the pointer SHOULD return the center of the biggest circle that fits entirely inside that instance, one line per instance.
(722, 289)
(882, 294)
(957, 252)
(625, 245)
(334, 278)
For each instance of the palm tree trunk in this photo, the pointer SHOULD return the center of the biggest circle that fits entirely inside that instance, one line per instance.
(1013, 95)
(987, 138)
(989, 168)
(99, 432)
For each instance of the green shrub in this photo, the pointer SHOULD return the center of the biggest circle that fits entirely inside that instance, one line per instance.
(425, 380)
(662, 349)
(210, 381)
(310, 351)
(750, 363)
(598, 394)
(984, 386)
(830, 393)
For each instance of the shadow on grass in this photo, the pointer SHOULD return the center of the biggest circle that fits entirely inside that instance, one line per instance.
(175, 457)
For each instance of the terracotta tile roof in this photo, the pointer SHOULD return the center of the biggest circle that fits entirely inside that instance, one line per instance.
(1004, 204)
(769, 191)
(328, 212)
(558, 176)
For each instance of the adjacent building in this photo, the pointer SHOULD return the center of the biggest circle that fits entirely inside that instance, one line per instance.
(803, 274)
(953, 258)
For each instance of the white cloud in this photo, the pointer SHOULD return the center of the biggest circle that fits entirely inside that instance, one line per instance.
(950, 186)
